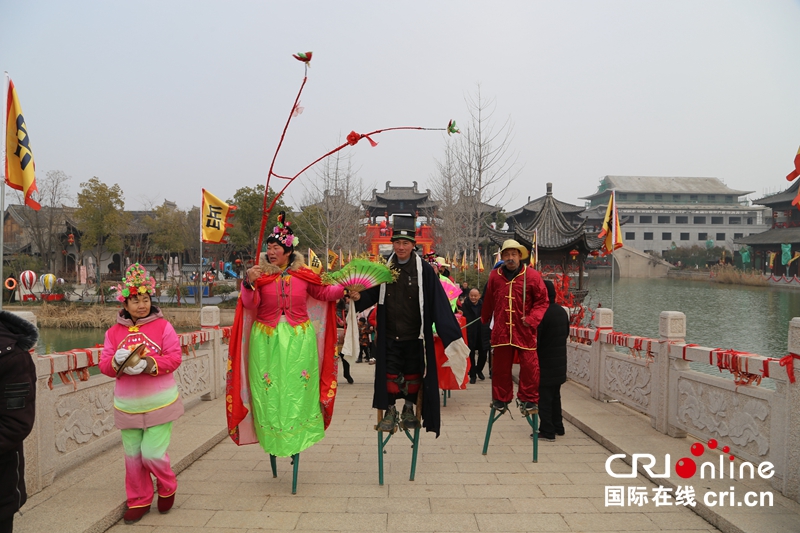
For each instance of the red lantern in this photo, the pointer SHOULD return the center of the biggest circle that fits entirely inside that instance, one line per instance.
(238, 261)
(71, 238)
(594, 253)
(64, 252)
(574, 254)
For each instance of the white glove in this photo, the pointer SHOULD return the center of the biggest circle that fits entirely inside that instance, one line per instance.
(138, 368)
(121, 355)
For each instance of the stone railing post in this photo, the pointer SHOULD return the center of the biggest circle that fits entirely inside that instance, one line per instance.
(791, 396)
(664, 389)
(604, 322)
(209, 318)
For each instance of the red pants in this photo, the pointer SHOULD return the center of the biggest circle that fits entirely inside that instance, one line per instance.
(503, 386)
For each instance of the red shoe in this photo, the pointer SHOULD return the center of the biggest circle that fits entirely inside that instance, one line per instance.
(165, 504)
(134, 515)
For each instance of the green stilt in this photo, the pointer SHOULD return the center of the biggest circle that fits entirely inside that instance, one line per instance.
(534, 422)
(296, 463)
(415, 446)
(381, 443)
(444, 398)
(492, 420)
(274, 465)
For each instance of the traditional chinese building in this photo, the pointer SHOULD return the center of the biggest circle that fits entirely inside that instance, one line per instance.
(561, 247)
(398, 201)
(784, 229)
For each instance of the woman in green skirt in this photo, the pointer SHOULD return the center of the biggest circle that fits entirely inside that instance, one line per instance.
(282, 369)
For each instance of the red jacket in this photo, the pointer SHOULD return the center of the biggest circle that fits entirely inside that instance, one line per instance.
(516, 315)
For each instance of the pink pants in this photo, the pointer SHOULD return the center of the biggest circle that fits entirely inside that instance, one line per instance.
(503, 386)
(146, 454)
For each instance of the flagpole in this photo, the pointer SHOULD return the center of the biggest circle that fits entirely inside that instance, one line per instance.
(200, 271)
(3, 185)
(613, 240)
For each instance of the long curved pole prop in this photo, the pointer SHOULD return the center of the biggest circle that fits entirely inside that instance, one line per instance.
(352, 139)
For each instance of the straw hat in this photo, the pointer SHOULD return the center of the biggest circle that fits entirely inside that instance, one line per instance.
(512, 244)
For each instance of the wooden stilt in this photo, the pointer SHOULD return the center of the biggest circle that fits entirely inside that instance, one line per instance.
(273, 464)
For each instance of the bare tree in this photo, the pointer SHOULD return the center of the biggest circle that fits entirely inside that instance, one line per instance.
(46, 227)
(475, 174)
(332, 215)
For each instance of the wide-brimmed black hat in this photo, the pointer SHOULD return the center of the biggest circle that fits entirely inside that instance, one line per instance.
(404, 228)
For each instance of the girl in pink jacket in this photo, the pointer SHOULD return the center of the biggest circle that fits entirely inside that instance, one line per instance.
(146, 397)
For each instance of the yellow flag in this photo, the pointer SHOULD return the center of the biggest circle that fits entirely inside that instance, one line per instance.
(214, 219)
(332, 257)
(19, 166)
(464, 261)
(341, 258)
(480, 262)
(313, 262)
(611, 234)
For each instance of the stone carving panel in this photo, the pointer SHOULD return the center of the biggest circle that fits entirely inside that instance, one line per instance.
(628, 380)
(578, 365)
(84, 415)
(740, 418)
(193, 376)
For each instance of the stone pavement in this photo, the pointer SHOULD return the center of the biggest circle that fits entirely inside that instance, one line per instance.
(456, 488)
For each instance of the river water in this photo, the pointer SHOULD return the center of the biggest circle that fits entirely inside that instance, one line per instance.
(750, 319)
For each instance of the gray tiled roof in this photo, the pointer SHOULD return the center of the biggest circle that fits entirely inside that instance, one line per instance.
(668, 185)
(772, 236)
(781, 197)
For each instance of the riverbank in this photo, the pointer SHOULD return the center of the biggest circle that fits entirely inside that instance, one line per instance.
(99, 316)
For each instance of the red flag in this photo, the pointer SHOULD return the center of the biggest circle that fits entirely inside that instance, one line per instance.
(796, 172)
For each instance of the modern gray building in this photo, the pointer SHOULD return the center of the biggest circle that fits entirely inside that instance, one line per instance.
(663, 212)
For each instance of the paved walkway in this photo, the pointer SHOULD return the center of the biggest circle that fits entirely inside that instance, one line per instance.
(456, 488)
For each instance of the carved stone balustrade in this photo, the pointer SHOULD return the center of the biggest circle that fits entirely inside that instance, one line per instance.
(654, 377)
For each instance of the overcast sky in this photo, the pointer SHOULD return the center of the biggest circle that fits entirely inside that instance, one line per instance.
(167, 97)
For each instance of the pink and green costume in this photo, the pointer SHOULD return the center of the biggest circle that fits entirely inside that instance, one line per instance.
(145, 405)
(282, 370)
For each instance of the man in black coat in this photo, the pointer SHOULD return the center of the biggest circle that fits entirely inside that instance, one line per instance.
(478, 334)
(406, 359)
(17, 411)
(552, 348)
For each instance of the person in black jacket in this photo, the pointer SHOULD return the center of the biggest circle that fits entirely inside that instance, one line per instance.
(478, 334)
(17, 411)
(552, 349)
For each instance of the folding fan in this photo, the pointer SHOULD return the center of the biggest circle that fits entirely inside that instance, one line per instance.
(361, 274)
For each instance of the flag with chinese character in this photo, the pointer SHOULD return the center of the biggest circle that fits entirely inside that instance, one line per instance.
(479, 262)
(214, 219)
(332, 257)
(314, 262)
(19, 166)
(611, 235)
(796, 172)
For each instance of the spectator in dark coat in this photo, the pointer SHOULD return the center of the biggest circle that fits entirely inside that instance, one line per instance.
(478, 334)
(17, 411)
(552, 349)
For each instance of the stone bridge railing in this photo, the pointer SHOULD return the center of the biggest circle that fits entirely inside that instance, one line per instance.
(653, 376)
(74, 410)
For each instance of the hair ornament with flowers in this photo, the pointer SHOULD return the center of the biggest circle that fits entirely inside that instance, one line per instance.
(283, 233)
(136, 281)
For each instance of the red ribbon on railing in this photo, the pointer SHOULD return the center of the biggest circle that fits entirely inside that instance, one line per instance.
(684, 349)
(788, 362)
(598, 331)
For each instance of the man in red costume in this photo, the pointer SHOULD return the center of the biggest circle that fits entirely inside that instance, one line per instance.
(516, 297)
